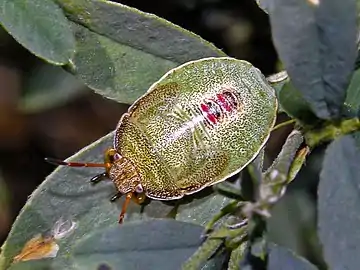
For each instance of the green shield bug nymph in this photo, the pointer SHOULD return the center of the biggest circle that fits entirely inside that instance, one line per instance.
(201, 123)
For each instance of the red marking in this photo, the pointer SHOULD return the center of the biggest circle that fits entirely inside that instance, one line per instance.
(211, 117)
(204, 108)
(223, 102)
(214, 109)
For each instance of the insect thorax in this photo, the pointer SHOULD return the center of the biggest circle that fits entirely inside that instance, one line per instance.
(124, 175)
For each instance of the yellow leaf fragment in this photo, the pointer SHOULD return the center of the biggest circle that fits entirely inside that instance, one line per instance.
(38, 247)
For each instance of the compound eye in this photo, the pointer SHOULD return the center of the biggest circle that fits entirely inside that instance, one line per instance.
(116, 156)
(139, 189)
(111, 155)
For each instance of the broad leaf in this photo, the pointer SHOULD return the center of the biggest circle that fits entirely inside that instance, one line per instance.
(293, 103)
(121, 51)
(67, 196)
(114, 70)
(41, 27)
(49, 86)
(139, 30)
(158, 244)
(147, 245)
(281, 258)
(291, 100)
(324, 35)
(292, 223)
(339, 202)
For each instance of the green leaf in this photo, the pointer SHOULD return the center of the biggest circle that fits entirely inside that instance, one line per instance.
(212, 247)
(317, 44)
(49, 86)
(353, 93)
(283, 259)
(237, 257)
(142, 31)
(158, 244)
(338, 204)
(291, 100)
(293, 103)
(292, 223)
(41, 27)
(122, 51)
(285, 158)
(114, 70)
(66, 196)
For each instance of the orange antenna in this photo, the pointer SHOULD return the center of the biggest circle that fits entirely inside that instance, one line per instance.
(75, 164)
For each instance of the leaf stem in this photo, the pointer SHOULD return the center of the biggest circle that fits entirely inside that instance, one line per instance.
(331, 131)
(288, 122)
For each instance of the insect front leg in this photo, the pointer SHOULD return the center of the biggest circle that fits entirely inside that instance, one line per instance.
(99, 177)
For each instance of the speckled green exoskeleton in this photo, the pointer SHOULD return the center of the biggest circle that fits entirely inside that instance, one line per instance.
(201, 123)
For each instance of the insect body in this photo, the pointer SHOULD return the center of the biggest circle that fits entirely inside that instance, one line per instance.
(199, 124)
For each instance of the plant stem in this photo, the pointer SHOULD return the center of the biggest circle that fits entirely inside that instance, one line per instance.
(331, 131)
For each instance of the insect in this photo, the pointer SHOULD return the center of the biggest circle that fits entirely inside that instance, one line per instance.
(201, 123)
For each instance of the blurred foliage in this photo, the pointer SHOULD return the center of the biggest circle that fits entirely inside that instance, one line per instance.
(4, 206)
(49, 87)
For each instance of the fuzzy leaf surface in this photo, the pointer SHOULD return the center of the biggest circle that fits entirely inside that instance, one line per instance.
(339, 202)
(49, 86)
(158, 244)
(293, 103)
(281, 258)
(41, 27)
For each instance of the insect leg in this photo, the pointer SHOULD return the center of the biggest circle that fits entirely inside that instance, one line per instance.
(125, 205)
(97, 178)
(115, 196)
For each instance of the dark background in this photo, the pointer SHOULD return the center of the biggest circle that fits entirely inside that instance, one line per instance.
(239, 28)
